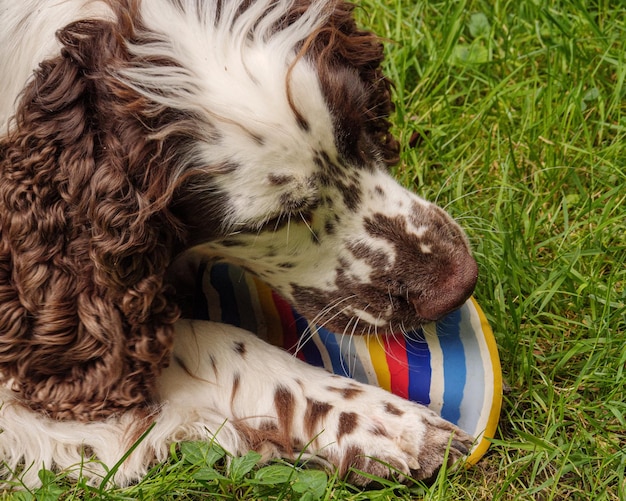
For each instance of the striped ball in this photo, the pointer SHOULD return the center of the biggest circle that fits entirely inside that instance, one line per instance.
(452, 366)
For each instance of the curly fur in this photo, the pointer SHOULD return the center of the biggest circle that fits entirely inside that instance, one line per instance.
(86, 234)
(150, 133)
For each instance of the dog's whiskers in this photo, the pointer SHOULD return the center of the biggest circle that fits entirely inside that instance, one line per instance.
(315, 236)
(319, 321)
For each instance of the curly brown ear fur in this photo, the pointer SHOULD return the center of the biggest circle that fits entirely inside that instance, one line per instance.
(349, 67)
(85, 233)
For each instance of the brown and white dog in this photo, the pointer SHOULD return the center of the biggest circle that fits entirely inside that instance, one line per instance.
(139, 136)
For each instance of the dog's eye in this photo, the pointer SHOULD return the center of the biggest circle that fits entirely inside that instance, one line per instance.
(291, 204)
(294, 205)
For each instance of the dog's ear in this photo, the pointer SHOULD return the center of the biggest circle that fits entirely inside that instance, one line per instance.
(85, 233)
(349, 66)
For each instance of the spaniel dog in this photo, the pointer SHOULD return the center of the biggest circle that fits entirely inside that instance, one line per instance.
(138, 137)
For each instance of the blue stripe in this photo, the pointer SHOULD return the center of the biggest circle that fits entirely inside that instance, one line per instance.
(420, 372)
(220, 281)
(309, 349)
(454, 368)
(241, 291)
(351, 355)
(334, 351)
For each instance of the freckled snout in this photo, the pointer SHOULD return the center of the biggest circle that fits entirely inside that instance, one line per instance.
(452, 290)
(432, 272)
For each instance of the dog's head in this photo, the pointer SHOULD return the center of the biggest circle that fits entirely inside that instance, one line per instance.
(292, 176)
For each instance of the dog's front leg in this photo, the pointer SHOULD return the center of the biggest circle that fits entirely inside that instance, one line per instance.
(255, 396)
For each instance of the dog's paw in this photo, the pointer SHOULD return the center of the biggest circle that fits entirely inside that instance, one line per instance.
(377, 434)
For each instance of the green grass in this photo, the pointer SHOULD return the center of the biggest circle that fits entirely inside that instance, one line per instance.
(517, 110)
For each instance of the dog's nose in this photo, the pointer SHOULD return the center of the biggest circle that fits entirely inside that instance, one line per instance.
(450, 291)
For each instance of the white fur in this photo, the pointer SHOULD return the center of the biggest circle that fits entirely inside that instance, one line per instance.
(238, 84)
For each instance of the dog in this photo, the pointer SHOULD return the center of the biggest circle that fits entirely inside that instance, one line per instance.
(140, 137)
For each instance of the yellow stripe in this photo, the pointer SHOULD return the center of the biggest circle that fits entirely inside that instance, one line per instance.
(494, 413)
(379, 361)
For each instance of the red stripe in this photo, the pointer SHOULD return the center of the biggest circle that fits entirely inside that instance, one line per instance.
(288, 322)
(395, 349)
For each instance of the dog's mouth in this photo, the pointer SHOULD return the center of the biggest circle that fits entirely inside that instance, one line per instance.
(398, 318)
(387, 309)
